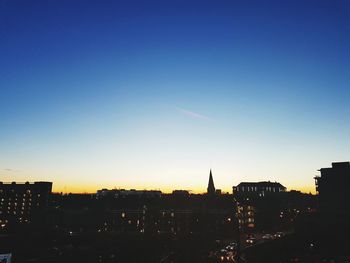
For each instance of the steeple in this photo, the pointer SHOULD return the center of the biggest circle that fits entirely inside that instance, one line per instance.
(211, 187)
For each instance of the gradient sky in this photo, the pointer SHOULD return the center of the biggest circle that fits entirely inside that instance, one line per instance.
(151, 95)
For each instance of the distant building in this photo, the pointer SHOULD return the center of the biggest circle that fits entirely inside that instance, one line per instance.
(22, 203)
(258, 189)
(332, 187)
(218, 192)
(211, 187)
(183, 193)
(119, 193)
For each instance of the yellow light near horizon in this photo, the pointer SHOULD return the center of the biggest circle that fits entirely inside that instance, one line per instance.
(93, 189)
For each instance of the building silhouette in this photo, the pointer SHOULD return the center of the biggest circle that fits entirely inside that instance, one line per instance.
(258, 189)
(332, 188)
(259, 204)
(211, 187)
(125, 193)
(23, 203)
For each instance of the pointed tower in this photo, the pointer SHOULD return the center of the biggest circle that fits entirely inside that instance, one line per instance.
(211, 187)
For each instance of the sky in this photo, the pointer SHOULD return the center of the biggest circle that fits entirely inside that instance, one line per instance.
(154, 94)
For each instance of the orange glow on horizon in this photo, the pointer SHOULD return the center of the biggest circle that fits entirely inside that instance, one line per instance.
(90, 189)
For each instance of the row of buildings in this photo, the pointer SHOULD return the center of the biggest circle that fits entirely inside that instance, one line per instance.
(253, 206)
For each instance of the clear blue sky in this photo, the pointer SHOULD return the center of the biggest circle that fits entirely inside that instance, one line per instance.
(150, 94)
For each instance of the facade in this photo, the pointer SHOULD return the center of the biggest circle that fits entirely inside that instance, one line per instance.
(332, 187)
(179, 213)
(22, 203)
(258, 189)
(163, 221)
(246, 216)
(129, 220)
(259, 204)
(172, 221)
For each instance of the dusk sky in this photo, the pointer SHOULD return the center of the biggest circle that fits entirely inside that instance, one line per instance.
(154, 94)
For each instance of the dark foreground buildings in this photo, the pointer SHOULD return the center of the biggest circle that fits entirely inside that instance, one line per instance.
(267, 206)
(324, 236)
(320, 225)
(23, 203)
(332, 187)
(148, 212)
(121, 225)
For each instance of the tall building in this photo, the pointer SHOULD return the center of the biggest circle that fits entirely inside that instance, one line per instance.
(211, 187)
(332, 187)
(259, 204)
(23, 203)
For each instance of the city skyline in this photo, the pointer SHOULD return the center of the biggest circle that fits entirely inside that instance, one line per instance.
(154, 95)
(165, 189)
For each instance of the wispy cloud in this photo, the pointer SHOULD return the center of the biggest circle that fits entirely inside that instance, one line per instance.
(9, 170)
(193, 114)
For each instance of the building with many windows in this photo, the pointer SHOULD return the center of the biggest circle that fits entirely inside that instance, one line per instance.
(246, 216)
(258, 204)
(22, 203)
(259, 189)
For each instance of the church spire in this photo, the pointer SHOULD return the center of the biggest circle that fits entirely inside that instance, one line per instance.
(211, 187)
